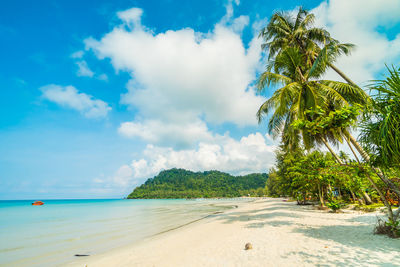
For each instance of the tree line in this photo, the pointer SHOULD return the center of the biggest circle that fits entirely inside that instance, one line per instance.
(181, 183)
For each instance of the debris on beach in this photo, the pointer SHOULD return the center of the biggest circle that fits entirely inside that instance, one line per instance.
(248, 246)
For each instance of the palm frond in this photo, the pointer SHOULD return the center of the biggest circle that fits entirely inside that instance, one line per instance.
(300, 17)
(318, 35)
(268, 78)
(352, 94)
(380, 130)
(332, 94)
(307, 21)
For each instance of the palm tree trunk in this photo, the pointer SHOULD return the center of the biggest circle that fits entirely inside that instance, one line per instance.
(347, 79)
(358, 147)
(353, 196)
(391, 215)
(365, 195)
(367, 198)
(321, 196)
(331, 150)
(360, 200)
(377, 170)
(382, 196)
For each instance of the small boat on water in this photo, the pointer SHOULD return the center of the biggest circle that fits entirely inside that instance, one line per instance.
(37, 203)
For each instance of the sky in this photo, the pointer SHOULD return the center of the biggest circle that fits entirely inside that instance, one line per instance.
(98, 96)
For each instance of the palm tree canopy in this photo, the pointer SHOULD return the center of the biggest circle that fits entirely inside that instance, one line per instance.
(301, 90)
(285, 30)
(298, 55)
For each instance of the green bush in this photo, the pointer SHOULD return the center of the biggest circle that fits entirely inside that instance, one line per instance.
(395, 227)
(334, 205)
(389, 228)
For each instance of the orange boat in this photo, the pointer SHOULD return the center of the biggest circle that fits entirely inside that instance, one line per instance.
(37, 203)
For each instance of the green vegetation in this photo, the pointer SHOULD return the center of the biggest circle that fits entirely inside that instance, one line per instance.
(307, 111)
(369, 208)
(316, 176)
(180, 183)
(381, 125)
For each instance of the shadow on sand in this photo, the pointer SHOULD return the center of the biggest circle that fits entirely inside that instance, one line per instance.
(358, 245)
(258, 218)
(357, 236)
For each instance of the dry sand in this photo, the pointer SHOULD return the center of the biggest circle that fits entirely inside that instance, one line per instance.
(281, 233)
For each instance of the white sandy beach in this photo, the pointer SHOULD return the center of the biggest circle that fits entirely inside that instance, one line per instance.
(281, 233)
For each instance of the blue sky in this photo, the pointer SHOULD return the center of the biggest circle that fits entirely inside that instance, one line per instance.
(97, 96)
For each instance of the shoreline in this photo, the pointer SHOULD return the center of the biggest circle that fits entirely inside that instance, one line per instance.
(282, 234)
(194, 221)
(231, 205)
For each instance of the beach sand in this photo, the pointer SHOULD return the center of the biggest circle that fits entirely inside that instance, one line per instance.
(281, 234)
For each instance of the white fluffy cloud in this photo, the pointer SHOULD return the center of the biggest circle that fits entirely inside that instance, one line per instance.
(250, 154)
(182, 80)
(70, 97)
(359, 22)
(157, 132)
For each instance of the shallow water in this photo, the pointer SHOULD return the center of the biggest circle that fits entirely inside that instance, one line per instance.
(52, 234)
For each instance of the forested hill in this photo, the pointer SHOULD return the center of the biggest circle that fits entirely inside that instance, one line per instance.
(180, 183)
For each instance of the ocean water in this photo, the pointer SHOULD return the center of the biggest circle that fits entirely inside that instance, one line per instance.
(52, 234)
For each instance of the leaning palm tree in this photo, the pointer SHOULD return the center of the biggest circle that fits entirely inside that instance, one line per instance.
(319, 52)
(301, 91)
(320, 48)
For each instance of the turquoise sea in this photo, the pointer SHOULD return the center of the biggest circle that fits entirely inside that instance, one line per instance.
(52, 234)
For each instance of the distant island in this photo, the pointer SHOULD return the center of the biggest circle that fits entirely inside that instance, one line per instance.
(181, 183)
